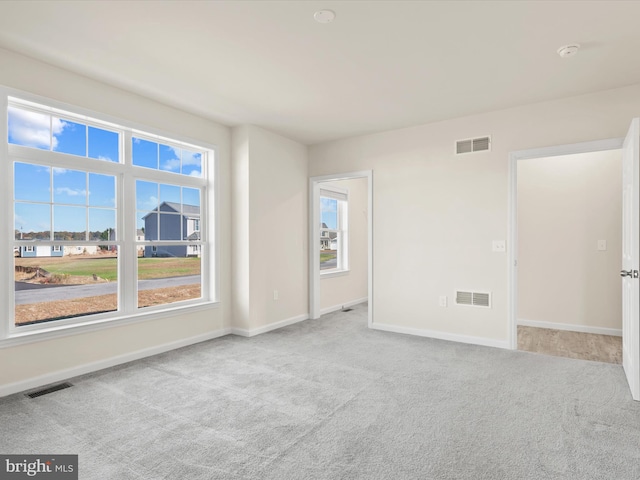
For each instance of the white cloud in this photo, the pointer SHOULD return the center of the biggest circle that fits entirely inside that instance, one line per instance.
(150, 204)
(33, 129)
(328, 205)
(59, 171)
(70, 192)
(172, 165)
(191, 158)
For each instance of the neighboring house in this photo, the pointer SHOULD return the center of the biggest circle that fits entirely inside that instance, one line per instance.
(140, 238)
(29, 251)
(173, 225)
(328, 240)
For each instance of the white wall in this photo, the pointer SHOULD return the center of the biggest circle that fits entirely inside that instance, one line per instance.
(565, 205)
(270, 228)
(436, 214)
(336, 291)
(42, 361)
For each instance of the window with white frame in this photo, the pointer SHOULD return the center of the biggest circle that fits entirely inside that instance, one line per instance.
(84, 188)
(334, 203)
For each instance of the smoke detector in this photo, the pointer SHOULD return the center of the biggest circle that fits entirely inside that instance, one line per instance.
(324, 16)
(568, 50)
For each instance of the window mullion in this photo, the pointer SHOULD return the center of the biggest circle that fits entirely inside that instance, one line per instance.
(128, 284)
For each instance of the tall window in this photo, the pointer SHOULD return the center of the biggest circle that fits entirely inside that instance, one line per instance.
(113, 217)
(333, 229)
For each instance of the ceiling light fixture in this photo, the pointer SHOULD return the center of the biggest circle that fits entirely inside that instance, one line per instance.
(568, 50)
(324, 16)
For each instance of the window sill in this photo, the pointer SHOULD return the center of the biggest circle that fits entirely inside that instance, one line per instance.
(102, 324)
(333, 273)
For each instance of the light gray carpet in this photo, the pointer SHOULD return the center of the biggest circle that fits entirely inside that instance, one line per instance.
(330, 399)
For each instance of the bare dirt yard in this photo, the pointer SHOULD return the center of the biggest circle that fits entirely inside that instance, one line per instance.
(104, 303)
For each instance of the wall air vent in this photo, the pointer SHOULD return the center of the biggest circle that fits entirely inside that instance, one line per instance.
(473, 299)
(471, 145)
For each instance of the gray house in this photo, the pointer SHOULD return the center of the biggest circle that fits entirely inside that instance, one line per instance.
(170, 224)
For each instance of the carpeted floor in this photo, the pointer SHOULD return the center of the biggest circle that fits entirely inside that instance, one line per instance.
(330, 399)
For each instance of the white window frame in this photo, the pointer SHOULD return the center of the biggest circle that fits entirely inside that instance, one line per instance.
(341, 230)
(127, 243)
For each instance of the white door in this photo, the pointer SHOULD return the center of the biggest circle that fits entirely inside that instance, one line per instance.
(630, 258)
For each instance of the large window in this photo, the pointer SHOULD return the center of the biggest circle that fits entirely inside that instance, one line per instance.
(333, 229)
(108, 221)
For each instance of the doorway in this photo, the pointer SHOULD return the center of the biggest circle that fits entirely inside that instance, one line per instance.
(577, 282)
(569, 251)
(341, 238)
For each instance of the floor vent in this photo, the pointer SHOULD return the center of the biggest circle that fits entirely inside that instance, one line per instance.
(473, 299)
(347, 309)
(471, 145)
(45, 391)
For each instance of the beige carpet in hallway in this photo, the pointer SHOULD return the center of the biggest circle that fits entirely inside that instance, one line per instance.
(561, 343)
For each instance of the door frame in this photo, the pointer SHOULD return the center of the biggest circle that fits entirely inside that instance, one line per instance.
(314, 238)
(514, 157)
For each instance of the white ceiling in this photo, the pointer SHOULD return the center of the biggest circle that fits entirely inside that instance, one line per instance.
(380, 65)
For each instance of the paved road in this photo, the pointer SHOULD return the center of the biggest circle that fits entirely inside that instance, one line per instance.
(48, 293)
(332, 263)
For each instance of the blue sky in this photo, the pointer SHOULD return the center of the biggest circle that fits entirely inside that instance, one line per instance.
(86, 201)
(329, 212)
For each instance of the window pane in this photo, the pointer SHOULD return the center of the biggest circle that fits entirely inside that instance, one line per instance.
(69, 223)
(170, 158)
(329, 212)
(69, 137)
(148, 223)
(103, 145)
(29, 128)
(144, 153)
(102, 190)
(191, 214)
(170, 226)
(102, 224)
(69, 186)
(168, 275)
(32, 183)
(328, 250)
(56, 283)
(146, 195)
(170, 194)
(191, 163)
(32, 221)
(191, 196)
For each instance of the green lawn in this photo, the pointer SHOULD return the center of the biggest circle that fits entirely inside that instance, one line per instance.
(325, 257)
(105, 267)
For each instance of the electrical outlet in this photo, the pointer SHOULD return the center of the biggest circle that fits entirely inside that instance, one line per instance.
(275, 294)
(499, 246)
(602, 245)
(442, 301)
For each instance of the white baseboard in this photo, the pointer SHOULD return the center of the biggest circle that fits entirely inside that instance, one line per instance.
(571, 328)
(452, 337)
(60, 375)
(243, 332)
(335, 308)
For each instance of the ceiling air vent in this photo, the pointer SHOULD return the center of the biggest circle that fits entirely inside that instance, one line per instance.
(470, 145)
(473, 299)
